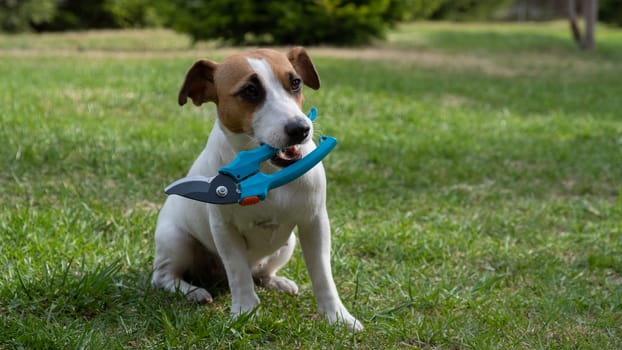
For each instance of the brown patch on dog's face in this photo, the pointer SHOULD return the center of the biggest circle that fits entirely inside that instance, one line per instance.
(225, 84)
(238, 90)
(236, 105)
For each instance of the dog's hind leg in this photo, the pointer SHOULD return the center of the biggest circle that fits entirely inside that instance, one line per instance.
(175, 254)
(264, 272)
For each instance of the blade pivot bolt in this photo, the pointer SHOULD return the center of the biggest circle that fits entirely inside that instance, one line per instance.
(222, 191)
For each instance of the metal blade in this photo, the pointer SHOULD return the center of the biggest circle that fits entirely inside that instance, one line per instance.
(219, 189)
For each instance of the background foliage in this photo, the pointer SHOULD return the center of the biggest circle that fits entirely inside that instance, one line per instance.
(22, 15)
(610, 11)
(341, 22)
(286, 21)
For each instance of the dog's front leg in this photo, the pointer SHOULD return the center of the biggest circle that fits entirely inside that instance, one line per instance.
(314, 239)
(231, 248)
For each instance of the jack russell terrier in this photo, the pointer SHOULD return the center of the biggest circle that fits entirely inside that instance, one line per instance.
(259, 98)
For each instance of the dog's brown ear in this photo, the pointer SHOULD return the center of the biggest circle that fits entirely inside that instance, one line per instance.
(199, 84)
(303, 66)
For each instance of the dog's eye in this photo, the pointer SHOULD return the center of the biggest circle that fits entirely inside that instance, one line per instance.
(296, 84)
(250, 92)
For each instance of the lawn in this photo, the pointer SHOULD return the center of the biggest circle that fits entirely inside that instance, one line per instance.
(474, 194)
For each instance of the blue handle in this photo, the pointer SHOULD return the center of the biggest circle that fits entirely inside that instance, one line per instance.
(247, 162)
(312, 114)
(260, 184)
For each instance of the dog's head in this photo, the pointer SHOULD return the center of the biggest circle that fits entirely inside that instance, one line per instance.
(259, 94)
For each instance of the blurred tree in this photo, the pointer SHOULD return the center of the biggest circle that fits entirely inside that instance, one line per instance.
(287, 21)
(22, 15)
(406, 10)
(590, 14)
(536, 10)
(79, 14)
(137, 13)
(463, 10)
(610, 11)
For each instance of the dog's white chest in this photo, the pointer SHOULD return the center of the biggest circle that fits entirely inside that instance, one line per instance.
(263, 236)
(264, 224)
(270, 224)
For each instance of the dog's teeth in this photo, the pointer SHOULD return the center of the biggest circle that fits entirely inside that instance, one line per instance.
(288, 153)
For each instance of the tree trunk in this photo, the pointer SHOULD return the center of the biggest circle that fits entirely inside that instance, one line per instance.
(589, 9)
(590, 14)
(574, 24)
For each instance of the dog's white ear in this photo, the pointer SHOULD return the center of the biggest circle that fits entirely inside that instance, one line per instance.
(302, 64)
(199, 84)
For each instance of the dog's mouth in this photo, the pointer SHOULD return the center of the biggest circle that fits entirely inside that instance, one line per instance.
(287, 156)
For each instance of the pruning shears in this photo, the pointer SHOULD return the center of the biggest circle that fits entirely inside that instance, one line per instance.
(241, 181)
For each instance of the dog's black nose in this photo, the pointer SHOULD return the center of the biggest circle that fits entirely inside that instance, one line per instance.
(297, 130)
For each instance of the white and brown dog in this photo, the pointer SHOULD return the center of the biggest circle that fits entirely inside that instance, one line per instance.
(259, 98)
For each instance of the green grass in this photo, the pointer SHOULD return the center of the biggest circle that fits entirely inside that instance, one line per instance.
(110, 40)
(474, 195)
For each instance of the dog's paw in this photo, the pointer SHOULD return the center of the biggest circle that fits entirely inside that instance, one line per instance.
(248, 307)
(199, 295)
(344, 317)
(277, 283)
